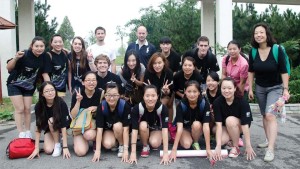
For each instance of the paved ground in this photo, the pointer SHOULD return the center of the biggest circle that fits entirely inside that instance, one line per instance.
(287, 153)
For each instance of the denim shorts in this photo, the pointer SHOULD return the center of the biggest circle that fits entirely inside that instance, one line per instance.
(15, 90)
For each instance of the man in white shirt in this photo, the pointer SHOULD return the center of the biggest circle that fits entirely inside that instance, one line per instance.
(100, 47)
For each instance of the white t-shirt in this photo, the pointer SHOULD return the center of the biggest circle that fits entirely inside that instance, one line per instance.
(104, 49)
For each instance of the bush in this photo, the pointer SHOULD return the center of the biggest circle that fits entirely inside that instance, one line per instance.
(294, 85)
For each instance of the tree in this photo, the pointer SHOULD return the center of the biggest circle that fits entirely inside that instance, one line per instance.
(91, 38)
(121, 33)
(67, 32)
(42, 27)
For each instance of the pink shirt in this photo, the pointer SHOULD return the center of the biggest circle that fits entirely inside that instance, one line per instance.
(238, 70)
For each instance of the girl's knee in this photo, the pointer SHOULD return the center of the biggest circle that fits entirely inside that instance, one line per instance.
(155, 143)
(80, 151)
(196, 125)
(186, 144)
(232, 122)
(143, 126)
(48, 149)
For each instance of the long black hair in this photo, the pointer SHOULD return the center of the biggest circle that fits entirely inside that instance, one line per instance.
(40, 109)
(126, 72)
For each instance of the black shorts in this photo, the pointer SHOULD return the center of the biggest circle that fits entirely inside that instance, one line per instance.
(15, 90)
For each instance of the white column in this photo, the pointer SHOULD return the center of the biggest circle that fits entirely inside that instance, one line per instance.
(26, 23)
(223, 22)
(7, 40)
(208, 20)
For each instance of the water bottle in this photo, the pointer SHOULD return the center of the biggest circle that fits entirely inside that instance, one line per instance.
(283, 115)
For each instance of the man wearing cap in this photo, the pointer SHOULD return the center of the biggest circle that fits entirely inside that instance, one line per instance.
(144, 49)
(173, 58)
(205, 60)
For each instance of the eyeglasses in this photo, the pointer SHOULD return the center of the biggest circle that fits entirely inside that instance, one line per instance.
(48, 91)
(112, 96)
(90, 81)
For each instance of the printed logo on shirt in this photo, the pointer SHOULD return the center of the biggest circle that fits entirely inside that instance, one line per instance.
(207, 113)
(147, 50)
(248, 114)
(186, 121)
(108, 125)
(128, 117)
(28, 69)
(166, 119)
(57, 67)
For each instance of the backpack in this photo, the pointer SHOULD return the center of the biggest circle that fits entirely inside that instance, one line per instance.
(184, 108)
(120, 107)
(20, 148)
(142, 110)
(275, 50)
(242, 54)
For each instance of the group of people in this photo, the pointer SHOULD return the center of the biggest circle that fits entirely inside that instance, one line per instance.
(159, 97)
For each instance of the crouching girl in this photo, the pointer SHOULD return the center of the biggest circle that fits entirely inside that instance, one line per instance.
(150, 117)
(112, 121)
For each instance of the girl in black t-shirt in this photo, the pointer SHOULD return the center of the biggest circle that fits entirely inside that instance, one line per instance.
(233, 116)
(150, 119)
(112, 121)
(24, 71)
(87, 98)
(192, 117)
(52, 116)
(159, 75)
(132, 76)
(79, 61)
(188, 72)
(61, 68)
(212, 92)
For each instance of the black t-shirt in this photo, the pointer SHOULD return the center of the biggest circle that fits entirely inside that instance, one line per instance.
(87, 102)
(174, 61)
(268, 72)
(77, 72)
(64, 118)
(208, 63)
(190, 115)
(180, 81)
(108, 120)
(28, 69)
(151, 118)
(159, 82)
(60, 67)
(101, 82)
(240, 108)
(211, 99)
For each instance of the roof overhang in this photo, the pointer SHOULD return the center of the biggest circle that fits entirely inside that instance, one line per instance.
(5, 24)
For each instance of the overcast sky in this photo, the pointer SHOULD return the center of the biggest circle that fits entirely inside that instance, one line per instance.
(86, 15)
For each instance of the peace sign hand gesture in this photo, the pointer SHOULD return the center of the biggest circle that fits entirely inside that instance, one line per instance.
(90, 56)
(165, 89)
(78, 95)
(133, 78)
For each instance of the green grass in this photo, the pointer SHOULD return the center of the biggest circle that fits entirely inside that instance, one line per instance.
(7, 109)
(119, 60)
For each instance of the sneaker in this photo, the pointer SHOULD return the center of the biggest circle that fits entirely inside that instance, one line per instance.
(234, 152)
(57, 150)
(28, 134)
(196, 146)
(229, 145)
(241, 143)
(145, 151)
(120, 152)
(22, 135)
(269, 156)
(264, 144)
(115, 148)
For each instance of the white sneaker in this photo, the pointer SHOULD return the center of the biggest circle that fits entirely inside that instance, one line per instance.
(120, 152)
(264, 144)
(57, 150)
(269, 156)
(22, 135)
(28, 134)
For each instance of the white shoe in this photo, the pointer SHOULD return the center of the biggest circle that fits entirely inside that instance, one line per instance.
(120, 152)
(57, 150)
(264, 144)
(22, 135)
(269, 156)
(28, 134)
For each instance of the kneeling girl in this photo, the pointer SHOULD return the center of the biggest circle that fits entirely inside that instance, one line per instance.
(112, 121)
(150, 118)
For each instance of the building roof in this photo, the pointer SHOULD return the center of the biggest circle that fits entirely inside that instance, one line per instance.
(5, 24)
